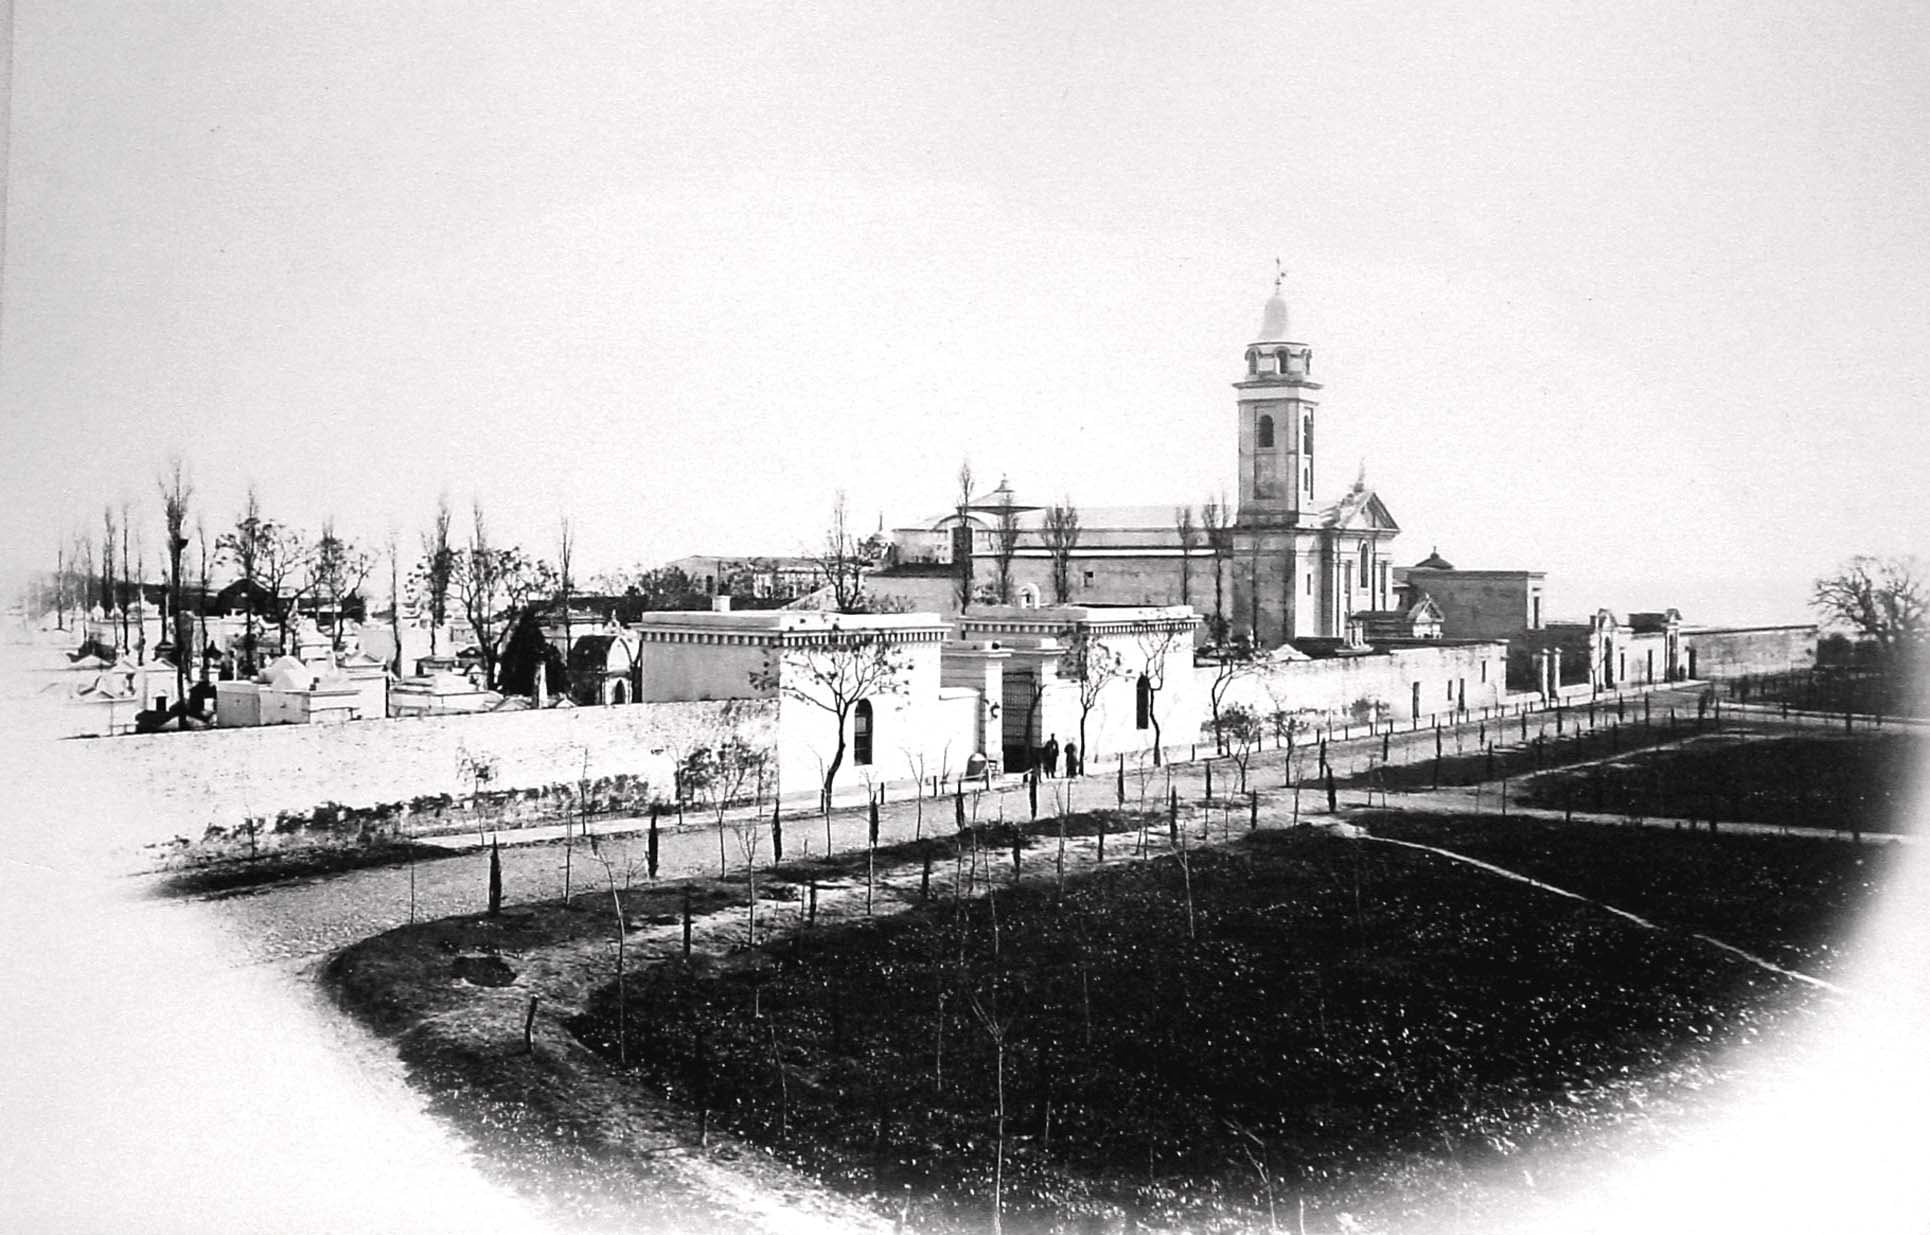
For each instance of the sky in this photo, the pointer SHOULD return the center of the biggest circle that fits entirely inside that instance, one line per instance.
(1634, 293)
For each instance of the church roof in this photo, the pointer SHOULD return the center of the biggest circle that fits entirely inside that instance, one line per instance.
(1160, 518)
(1434, 561)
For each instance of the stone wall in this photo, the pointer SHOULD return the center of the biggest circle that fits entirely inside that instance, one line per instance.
(1730, 651)
(183, 783)
(1440, 677)
(1479, 604)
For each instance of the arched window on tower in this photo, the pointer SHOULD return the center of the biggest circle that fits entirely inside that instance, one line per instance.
(1306, 434)
(1143, 714)
(861, 734)
(1264, 434)
(1253, 363)
(1283, 362)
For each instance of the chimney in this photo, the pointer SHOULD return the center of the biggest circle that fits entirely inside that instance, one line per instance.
(720, 603)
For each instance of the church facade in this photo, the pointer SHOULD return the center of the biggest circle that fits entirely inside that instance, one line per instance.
(1275, 566)
(1302, 569)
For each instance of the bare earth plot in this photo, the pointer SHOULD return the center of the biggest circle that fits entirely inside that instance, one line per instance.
(1290, 1019)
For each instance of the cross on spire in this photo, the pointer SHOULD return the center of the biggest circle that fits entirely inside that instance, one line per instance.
(1279, 275)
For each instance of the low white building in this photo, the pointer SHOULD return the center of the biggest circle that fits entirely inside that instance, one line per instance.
(1126, 670)
(875, 678)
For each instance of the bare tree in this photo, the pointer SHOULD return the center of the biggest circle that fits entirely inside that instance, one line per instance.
(127, 522)
(175, 492)
(1218, 522)
(493, 584)
(201, 636)
(1005, 541)
(245, 546)
(272, 557)
(1883, 599)
(80, 565)
(1189, 539)
(1232, 661)
(1240, 729)
(750, 836)
(1157, 647)
(1092, 666)
(134, 607)
(840, 561)
(996, 1030)
(336, 570)
(395, 601)
(962, 538)
(1061, 538)
(60, 587)
(725, 770)
(832, 670)
(108, 585)
(434, 577)
(565, 558)
(602, 855)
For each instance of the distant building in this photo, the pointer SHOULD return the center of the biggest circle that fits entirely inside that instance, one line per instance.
(785, 578)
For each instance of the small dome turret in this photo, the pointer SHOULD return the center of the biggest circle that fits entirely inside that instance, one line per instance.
(1273, 321)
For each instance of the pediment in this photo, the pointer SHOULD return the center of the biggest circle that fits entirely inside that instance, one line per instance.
(1361, 511)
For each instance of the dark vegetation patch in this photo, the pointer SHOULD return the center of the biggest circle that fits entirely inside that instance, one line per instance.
(1821, 780)
(1340, 1021)
(488, 970)
(1790, 899)
(280, 866)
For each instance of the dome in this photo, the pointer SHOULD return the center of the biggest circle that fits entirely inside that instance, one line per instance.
(1434, 561)
(1273, 322)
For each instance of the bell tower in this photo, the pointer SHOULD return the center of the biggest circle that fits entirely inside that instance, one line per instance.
(1277, 401)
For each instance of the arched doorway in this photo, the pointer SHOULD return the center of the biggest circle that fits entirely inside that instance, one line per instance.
(1143, 712)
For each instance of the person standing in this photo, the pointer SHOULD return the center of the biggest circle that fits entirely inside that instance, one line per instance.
(1050, 755)
(1073, 770)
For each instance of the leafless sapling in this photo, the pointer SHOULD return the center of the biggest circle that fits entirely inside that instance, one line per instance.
(833, 670)
(175, 494)
(1061, 540)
